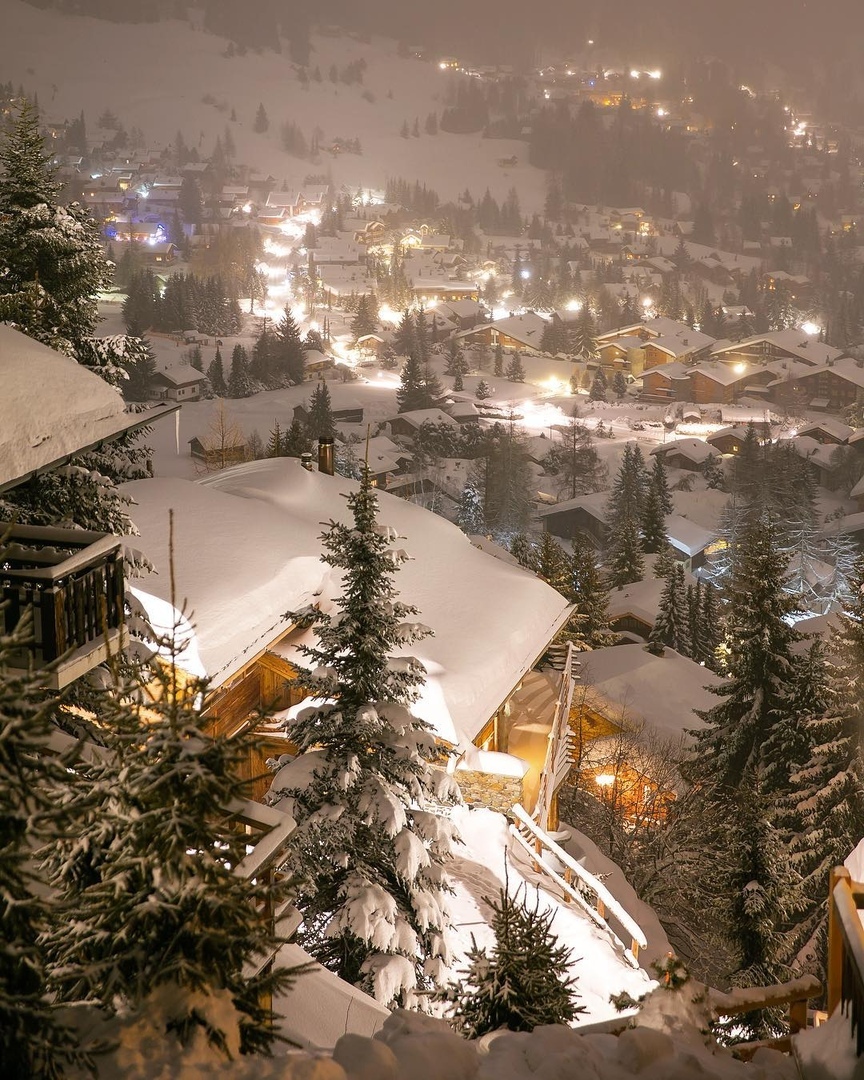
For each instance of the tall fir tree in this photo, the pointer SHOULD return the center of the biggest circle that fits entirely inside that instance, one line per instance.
(33, 1042)
(239, 383)
(295, 441)
(586, 590)
(470, 514)
(319, 421)
(152, 900)
(672, 625)
(289, 353)
(515, 371)
(761, 662)
(216, 375)
(51, 263)
(370, 858)
(411, 393)
(825, 815)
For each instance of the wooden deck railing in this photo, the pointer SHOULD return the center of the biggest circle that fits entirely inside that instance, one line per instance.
(846, 951)
(559, 755)
(72, 581)
(576, 884)
(795, 994)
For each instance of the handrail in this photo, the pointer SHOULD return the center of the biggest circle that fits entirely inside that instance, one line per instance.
(846, 951)
(603, 900)
(558, 749)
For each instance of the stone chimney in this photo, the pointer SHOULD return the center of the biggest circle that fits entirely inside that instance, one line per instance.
(326, 459)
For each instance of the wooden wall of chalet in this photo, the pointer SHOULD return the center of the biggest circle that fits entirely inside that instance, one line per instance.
(261, 687)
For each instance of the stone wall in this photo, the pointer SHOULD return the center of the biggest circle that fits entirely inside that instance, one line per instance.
(485, 789)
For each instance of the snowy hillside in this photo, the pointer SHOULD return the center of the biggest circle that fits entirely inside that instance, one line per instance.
(157, 76)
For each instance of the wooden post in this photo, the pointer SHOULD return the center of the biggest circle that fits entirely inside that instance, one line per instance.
(835, 941)
(601, 908)
(634, 948)
(797, 1016)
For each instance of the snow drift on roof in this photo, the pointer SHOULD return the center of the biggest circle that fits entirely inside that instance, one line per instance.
(50, 406)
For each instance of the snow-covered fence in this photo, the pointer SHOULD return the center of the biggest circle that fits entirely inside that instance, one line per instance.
(577, 884)
(846, 951)
(270, 827)
(795, 994)
(559, 756)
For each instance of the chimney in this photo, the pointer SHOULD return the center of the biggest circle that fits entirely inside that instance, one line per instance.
(306, 460)
(326, 462)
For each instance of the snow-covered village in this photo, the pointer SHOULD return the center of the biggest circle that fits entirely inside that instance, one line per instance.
(431, 540)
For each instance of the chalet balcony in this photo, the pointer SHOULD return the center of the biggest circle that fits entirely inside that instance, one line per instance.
(72, 580)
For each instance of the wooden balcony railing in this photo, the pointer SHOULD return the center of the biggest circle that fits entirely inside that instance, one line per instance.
(72, 582)
(846, 951)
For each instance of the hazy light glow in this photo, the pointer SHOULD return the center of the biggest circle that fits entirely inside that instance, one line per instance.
(574, 305)
(604, 780)
(811, 328)
(537, 415)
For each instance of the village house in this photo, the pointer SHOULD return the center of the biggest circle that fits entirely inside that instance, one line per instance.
(246, 644)
(690, 454)
(179, 383)
(513, 333)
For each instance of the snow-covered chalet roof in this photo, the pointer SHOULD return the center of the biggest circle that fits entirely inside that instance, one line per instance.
(51, 407)
(660, 691)
(246, 551)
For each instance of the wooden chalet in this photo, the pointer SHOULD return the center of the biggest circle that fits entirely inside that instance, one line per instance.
(267, 516)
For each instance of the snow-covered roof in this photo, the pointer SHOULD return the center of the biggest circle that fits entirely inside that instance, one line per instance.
(181, 375)
(51, 407)
(246, 551)
(835, 428)
(660, 691)
(792, 341)
(696, 450)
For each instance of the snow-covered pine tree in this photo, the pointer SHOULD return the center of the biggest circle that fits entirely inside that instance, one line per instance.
(665, 562)
(515, 371)
(523, 984)
(276, 441)
(759, 887)
(658, 482)
(51, 262)
(289, 353)
(405, 337)
(522, 550)
(598, 387)
(551, 564)
(624, 556)
(150, 908)
(587, 591)
(319, 422)
(498, 366)
(654, 537)
(507, 495)
(470, 516)
(411, 393)
(672, 627)
(483, 390)
(826, 806)
(32, 1041)
(755, 700)
(216, 375)
(239, 383)
(295, 442)
(370, 856)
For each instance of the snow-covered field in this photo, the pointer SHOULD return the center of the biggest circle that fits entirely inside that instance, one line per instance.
(155, 77)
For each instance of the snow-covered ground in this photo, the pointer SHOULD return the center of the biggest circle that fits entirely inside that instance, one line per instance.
(666, 1040)
(155, 76)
